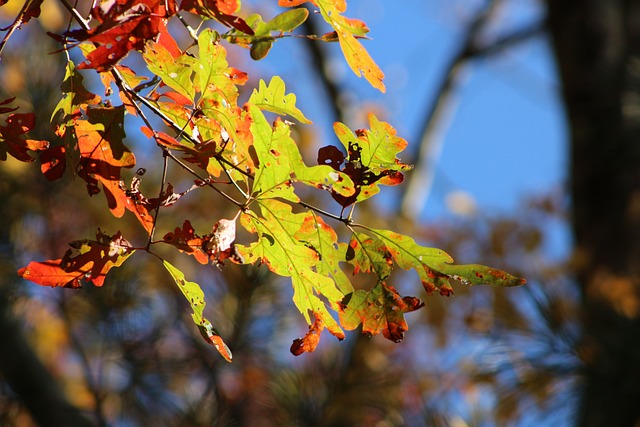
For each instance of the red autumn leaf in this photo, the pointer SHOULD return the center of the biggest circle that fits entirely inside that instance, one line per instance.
(309, 342)
(220, 10)
(53, 162)
(87, 261)
(12, 141)
(216, 246)
(381, 309)
(187, 241)
(199, 155)
(166, 39)
(50, 273)
(125, 25)
(103, 155)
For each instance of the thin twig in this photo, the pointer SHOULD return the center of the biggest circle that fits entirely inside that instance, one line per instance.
(161, 193)
(16, 24)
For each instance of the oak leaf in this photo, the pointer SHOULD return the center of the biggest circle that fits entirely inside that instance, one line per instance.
(124, 25)
(12, 141)
(194, 295)
(87, 261)
(381, 309)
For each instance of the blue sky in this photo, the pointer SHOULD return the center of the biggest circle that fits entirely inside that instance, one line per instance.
(506, 134)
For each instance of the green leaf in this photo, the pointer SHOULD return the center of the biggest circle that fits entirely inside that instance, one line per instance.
(380, 309)
(262, 40)
(319, 236)
(435, 267)
(284, 254)
(280, 163)
(194, 295)
(260, 49)
(272, 98)
(74, 95)
(372, 158)
(476, 274)
(368, 254)
(285, 22)
(213, 75)
(175, 72)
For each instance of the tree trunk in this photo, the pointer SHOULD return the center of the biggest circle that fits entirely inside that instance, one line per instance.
(597, 46)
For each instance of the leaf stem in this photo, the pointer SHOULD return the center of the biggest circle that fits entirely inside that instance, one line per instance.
(162, 184)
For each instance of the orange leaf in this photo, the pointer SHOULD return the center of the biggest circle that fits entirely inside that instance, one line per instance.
(309, 342)
(103, 155)
(186, 241)
(86, 261)
(50, 273)
(12, 141)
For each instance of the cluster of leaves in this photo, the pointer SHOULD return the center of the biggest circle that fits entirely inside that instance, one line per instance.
(225, 146)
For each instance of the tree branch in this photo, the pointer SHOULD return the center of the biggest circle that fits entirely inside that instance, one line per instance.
(440, 111)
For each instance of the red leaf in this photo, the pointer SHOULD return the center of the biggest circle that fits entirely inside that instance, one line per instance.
(216, 246)
(125, 25)
(4, 110)
(53, 162)
(86, 261)
(12, 141)
(186, 240)
(50, 273)
(220, 10)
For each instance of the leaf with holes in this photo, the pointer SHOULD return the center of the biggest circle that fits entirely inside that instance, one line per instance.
(368, 254)
(435, 267)
(87, 261)
(277, 246)
(124, 25)
(279, 163)
(381, 309)
(371, 160)
(195, 297)
(103, 154)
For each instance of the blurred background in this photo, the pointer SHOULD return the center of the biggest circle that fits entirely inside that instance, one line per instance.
(523, 123)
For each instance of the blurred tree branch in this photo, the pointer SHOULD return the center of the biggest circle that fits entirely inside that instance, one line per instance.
(439, 112)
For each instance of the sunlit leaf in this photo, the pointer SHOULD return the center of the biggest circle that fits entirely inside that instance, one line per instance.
(121, 29)
(280, 163)
(319, 236)
(368, 254)
(272, 98)
(87, 261)
(277, 247)
(381, 309)
(435, 267)
(103, 154)
(370, 161)
(174, 72)
(195, 297)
